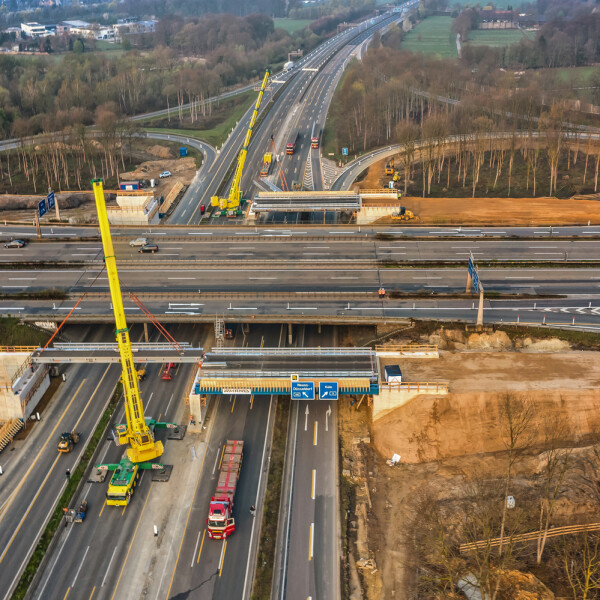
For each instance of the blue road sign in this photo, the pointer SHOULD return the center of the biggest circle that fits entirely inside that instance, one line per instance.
(344, 151)
(475, 281)
(328, 390)
(303, 390)
(42, 207)
(50, 200)
(471, 266)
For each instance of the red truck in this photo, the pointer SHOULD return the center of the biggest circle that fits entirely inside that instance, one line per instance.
(290, 147)
(221, 523)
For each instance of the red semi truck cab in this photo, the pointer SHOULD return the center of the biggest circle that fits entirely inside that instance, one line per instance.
(221, 523)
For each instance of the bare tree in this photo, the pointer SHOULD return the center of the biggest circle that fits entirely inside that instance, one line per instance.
(556, 465)
(580, 557)
(516, 418)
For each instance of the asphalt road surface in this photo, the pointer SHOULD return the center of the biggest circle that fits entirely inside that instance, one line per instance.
(223, 570)
(27, 232)
(360, 248)
(34, 473)
(90, 558)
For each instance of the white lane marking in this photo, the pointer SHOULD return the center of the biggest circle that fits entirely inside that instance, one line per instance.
(511, 277)
(81, 565)
(167, 409)
(312, 540)
(108, 568)
(149, 400)
(181, 278)
(216, 460)
(16, 286)
(21, 278)
(262, 278)
(196, 548)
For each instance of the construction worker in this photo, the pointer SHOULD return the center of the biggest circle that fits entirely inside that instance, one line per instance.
(381, 292)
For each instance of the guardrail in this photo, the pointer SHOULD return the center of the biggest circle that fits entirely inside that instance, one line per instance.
(250, 374)
(530, 536)
(319, 351)
(18, 349)
(437, 387)
(142, 346)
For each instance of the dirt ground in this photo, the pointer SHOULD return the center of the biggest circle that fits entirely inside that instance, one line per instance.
(79, 207)
(446, 441)
(489, 211)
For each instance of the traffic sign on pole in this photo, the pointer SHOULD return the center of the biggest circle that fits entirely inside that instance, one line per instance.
(42, 207)
(50, 200)
(328, 390)
(303, 390)
(471, 266)
(344, 151)
(475, 282)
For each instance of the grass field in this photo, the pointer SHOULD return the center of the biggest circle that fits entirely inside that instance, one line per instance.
(292, 25)
(218, 134)
(567, 73)
(432, 36)
(497, 37)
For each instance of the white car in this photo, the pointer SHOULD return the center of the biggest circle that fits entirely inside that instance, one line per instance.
(138, 242)
(165, 174)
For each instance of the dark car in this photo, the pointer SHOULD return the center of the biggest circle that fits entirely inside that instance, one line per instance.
(149, 248)
(15, 244)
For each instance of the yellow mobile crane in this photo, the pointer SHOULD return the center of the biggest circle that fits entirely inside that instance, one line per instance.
(230, 205)
(138, 430)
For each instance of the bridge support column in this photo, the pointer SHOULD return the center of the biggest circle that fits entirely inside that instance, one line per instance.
(319, 328)
(146, 332)
(290, 334)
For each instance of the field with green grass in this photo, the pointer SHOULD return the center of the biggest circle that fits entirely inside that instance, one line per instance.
(217, 134)
(498, 37)
(432, 36)
(292, 25)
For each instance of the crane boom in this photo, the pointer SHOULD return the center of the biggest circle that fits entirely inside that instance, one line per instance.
(136, 432)
(235, 193)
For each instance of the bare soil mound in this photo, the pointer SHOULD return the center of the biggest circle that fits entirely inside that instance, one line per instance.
(562, 386)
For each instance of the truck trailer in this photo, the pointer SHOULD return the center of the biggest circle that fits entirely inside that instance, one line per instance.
(221, 523)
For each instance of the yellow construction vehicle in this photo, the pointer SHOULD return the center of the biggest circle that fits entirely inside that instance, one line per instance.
(403, 215)
(267, 160)
(389, 167)
(138, 432)
(67, 441)
(231, 205)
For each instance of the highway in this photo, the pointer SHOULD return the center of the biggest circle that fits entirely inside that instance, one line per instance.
(90, 558)
(360, 249)
(291, 279)
(223, 570)
(229, 232)
(307, 554)
(34, 473)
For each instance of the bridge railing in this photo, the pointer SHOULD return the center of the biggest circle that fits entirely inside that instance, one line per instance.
(136, 347)
(414, 350)
(286, 374)
(318, 351)
(436, 387)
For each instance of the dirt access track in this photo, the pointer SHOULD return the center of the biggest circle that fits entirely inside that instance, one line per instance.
(501, 211)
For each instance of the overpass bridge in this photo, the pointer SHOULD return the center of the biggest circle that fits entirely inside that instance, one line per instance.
(109, 353)
(265, 371)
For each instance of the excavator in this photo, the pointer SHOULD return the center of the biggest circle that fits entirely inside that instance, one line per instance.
(230, 206)
(389, 167)
(138, 431)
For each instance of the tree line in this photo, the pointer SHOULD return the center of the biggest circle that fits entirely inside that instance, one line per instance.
(395, 96)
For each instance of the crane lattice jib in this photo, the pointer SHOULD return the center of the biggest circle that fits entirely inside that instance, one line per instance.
(138, 434)
(235, 192)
